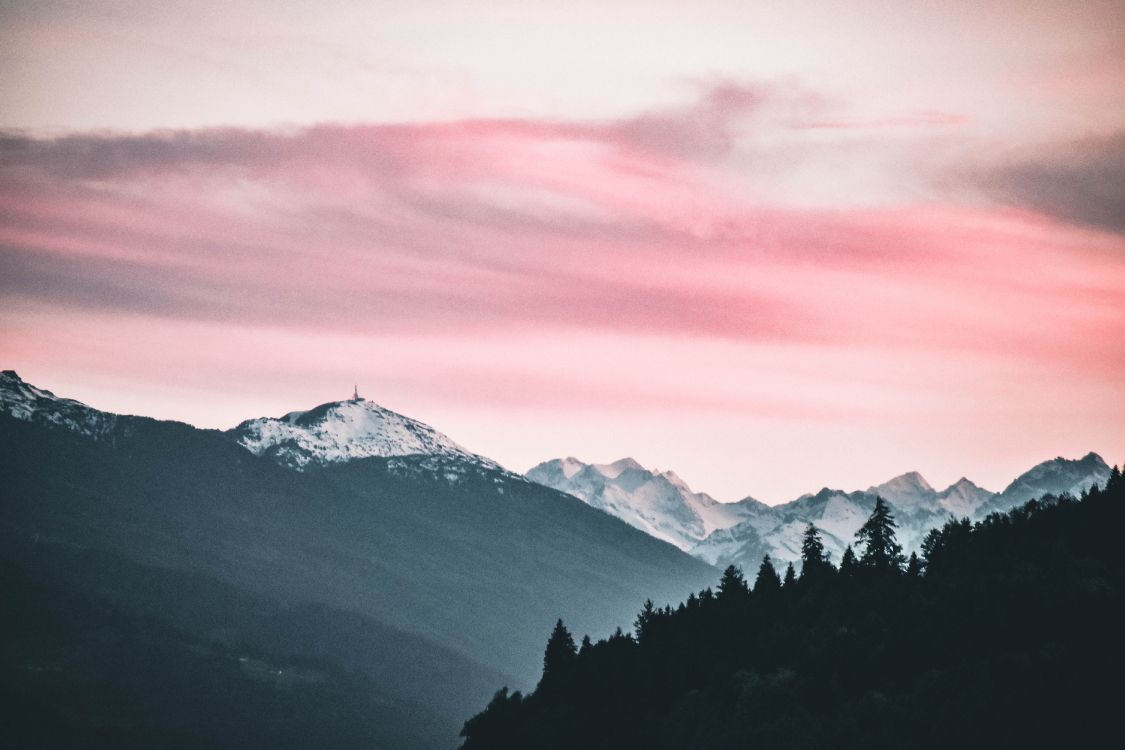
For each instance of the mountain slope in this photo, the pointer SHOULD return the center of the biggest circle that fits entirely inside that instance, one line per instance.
(343, 431)
(439, 550)
(1059, 476)
(659, 503)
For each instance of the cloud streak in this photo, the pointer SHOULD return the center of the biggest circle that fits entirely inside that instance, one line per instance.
(1080, 181)
(560, 265)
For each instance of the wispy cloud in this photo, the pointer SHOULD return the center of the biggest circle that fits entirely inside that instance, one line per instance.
(539, 263)
(1079, 181)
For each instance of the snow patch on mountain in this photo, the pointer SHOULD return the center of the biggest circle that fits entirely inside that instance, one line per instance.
(659, 503)
(909, 490)
(963, 498)
(343, 431)
(27, 403)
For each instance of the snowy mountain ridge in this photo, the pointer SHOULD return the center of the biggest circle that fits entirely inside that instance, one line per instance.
(343, 431)
(334, 432)
(27, 403)
(657, 502)
(661, 504)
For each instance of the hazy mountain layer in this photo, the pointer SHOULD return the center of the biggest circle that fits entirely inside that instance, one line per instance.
(661, 504)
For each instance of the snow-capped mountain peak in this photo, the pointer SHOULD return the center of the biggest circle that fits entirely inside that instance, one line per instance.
(23, 401)
(618, 467)
(344, 430)
(907, 490)
(963, 498)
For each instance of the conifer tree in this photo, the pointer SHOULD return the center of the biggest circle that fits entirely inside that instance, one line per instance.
(559, 656)
(768, 580)
(848, 562)
(814, 560)
(732, 586)
(790, 577)
(644, 619)
(914, 566)
(881, 550)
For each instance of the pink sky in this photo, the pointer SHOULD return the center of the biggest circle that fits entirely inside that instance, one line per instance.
(772, 249)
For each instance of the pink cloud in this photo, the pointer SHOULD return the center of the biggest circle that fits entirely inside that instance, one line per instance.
(436, 257)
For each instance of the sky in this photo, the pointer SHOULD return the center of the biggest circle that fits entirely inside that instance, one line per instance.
(772, 246)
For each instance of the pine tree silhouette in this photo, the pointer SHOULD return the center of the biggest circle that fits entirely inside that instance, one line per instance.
(768, 581)
(732, 586)
(814, 560)
(559, 656)
(790, 577)
(644, 619)
(881, 549)
(914, 566)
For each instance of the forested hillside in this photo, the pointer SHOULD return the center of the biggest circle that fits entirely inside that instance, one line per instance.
(1003, 633)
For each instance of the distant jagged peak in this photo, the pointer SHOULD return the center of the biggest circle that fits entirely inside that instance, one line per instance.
(619, 467)
(340, 431)
(911, 481)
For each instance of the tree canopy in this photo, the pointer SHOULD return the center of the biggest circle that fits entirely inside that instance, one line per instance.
(970, 646)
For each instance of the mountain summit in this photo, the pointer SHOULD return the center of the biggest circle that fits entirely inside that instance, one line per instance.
(344, 430)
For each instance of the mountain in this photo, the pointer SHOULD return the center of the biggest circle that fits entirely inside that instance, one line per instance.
(963, 498)
(432, 577)
(907, 491)
(25, 402)
(343, 431)
(741, 533)
(656, 502)
(1059, 476)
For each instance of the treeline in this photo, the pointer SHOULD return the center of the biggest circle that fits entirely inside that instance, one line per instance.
(1003, 633)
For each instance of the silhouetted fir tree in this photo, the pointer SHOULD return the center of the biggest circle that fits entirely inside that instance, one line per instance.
(790, 577)
(559, 656)
(732, 586)
(644, 618)
(768, 581)
(914, 566)
(881, 549)
(814, 560)
(586, 644)
(848, 563)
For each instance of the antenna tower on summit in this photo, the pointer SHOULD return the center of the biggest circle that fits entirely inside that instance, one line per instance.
(355, 393)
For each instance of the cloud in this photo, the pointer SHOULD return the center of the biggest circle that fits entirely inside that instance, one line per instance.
(1079, 181)
(654, 224)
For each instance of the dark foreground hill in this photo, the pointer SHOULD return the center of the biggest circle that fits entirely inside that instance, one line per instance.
(1006, 633)
(373, 603)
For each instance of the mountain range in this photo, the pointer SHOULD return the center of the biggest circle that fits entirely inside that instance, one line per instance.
(741, 533)
(350, 575)
(344, 559)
